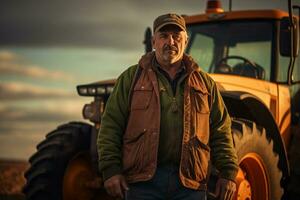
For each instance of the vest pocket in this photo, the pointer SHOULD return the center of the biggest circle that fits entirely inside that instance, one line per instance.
(195, 163)
(201, 127)
(133, 146)
(200, 114)
(141, 98)
(200, 100)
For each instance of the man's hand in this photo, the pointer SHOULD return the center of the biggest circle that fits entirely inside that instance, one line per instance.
(225, 189)
(116, 186)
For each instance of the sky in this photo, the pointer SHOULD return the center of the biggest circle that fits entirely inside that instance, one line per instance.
(49, 47)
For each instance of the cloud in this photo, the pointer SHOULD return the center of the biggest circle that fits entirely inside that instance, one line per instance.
(17, 115)
(43, 111)
(19, 140)
(12, 64)
(20, 144)
(97, 23)
(21, 91)
(7, 56)
(23, 126)
(32, 71)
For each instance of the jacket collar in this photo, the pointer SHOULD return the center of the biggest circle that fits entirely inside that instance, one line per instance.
(146, 62)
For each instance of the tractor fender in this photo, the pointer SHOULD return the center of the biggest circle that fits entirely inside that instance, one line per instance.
(247, 106)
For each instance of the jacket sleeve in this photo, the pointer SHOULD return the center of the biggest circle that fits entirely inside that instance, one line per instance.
(223, 154)
(113, 125)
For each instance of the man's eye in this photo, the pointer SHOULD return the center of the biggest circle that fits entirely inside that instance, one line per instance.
(176, 37)
(163, 35)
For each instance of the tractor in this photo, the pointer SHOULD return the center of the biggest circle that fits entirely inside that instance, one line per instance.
(253, 57)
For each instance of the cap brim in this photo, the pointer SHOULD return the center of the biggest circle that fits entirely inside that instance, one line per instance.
(170, 23)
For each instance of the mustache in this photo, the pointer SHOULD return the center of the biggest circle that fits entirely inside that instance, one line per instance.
(170, 48)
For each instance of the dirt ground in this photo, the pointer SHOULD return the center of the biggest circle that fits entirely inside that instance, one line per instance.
(12, 179)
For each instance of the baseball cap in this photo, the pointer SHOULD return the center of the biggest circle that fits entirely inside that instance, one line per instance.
(167, 19)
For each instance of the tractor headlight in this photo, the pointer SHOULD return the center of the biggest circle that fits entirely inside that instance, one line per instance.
(100, 90)
(94, 90)
(82, 91)
(109, 89)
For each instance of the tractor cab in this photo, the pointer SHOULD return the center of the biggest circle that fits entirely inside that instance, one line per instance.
(245, 43)
(234, 47)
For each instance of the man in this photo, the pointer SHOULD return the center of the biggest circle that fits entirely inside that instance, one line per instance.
(162, 122)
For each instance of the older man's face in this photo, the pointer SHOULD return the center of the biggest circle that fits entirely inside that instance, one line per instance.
(169, 44)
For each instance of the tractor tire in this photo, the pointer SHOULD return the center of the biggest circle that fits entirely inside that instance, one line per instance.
(259, 175)
(61, 167)
(294, 158)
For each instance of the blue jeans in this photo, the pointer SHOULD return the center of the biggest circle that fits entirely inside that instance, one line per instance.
(165, 185)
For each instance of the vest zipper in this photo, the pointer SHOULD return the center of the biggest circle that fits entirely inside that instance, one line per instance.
(174, 106)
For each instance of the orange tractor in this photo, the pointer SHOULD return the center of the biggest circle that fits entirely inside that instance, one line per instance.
(252, 55)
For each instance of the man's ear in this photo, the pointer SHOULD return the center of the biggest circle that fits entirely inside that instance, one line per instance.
(152, 41)
(187, 39)
(186, 42)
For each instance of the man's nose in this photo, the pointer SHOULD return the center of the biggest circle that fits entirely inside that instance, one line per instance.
(170, 40)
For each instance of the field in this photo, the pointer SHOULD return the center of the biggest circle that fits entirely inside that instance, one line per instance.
(12, 179)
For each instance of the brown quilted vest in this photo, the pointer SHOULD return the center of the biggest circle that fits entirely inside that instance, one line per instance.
(141, 138)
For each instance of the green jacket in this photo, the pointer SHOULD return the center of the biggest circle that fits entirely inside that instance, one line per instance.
(114, 123)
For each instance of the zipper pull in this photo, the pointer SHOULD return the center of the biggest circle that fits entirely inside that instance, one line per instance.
(174, 106)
